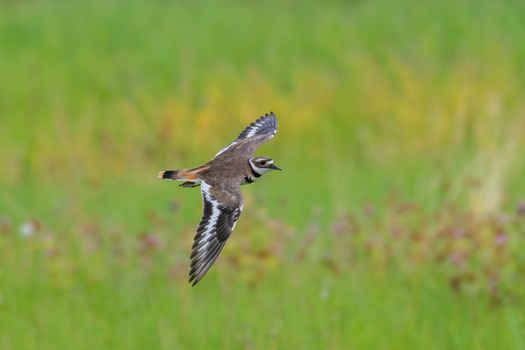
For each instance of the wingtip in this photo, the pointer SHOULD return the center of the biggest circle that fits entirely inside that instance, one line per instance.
(272, 117)
(193, 280)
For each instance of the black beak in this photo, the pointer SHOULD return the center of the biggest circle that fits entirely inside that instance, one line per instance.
(275, 167)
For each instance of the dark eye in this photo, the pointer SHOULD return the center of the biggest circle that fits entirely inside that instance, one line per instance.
(263, 162)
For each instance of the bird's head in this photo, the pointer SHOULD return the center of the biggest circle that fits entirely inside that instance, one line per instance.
(261, 165)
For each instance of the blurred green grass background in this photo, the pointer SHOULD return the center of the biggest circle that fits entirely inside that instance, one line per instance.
(397, 224)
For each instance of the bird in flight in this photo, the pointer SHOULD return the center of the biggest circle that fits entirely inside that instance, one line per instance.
(220, 180)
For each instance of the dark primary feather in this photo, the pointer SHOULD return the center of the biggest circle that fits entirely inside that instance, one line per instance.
(267, 124)
(254, 135)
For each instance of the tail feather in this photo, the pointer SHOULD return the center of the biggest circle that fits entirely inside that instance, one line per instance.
(183, 174)
(169, 174)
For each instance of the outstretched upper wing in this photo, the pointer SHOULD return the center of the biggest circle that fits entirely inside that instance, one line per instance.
(255, 134)
(220, 210)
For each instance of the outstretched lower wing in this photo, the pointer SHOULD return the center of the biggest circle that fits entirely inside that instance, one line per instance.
(220, 210)
(255, 134)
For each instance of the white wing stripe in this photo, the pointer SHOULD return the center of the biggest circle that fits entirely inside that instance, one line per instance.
(204, 246)
(210, 227)
(226, 148)
(254, 130)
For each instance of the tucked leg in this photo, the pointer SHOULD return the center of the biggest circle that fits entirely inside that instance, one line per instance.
(189, 184)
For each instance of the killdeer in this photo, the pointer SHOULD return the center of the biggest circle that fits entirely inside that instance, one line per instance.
(220, 180)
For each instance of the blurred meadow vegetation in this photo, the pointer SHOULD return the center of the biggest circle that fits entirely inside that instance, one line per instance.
(398, 222)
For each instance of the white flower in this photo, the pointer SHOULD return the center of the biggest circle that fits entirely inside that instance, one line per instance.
(27, 229)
